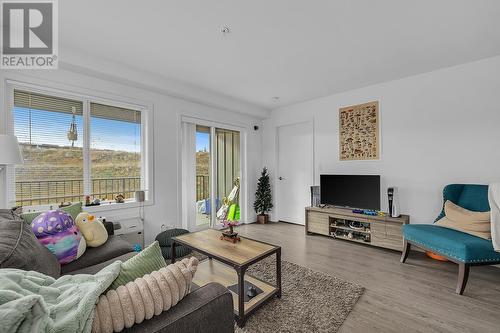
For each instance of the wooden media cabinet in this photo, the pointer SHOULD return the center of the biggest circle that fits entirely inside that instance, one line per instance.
(341, 223)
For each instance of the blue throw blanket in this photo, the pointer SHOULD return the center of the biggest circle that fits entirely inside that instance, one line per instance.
(34, 302)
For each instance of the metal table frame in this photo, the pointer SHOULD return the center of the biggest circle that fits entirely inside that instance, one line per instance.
(240, 269)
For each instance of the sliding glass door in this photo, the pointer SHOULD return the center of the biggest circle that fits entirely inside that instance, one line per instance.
(227, 155)
(202, 176)
(212, 168)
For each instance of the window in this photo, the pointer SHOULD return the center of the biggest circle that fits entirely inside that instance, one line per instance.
(53, 166)
(115, 151)
(67, 157)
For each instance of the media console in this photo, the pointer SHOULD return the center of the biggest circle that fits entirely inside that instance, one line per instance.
(381, 231)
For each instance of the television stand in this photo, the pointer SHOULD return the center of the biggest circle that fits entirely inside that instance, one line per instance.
(342, 223)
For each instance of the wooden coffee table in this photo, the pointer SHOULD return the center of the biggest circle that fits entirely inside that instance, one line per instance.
(229, 266)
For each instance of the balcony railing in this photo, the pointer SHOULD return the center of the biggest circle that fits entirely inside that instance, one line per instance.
(40, 192)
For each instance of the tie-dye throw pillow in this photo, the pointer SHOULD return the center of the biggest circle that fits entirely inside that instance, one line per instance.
(57, 231)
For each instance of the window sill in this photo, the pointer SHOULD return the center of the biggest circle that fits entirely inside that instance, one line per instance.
(110, 206)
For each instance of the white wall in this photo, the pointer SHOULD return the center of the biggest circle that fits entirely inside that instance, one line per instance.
(167, 138)
(437, 128)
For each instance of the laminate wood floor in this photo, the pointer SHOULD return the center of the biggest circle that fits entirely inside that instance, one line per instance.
(418, 296)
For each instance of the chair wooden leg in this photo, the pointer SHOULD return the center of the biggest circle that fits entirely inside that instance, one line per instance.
(406, 251)
(463, 275)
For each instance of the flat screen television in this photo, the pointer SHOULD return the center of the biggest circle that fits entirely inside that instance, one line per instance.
(353, 191)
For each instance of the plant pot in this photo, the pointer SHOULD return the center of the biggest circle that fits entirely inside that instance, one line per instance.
(262, 219)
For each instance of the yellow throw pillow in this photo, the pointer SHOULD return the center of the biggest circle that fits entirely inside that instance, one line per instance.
(464, 220)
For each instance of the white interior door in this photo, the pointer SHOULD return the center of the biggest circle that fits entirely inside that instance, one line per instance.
(295, 171)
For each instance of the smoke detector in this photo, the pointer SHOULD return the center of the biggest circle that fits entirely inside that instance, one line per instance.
(225, 30)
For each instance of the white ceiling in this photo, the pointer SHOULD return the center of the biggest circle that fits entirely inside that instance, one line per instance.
(294, 49)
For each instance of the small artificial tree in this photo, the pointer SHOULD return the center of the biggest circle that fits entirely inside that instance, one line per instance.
(263, 198)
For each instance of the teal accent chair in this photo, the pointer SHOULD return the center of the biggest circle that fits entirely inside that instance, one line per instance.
(459, 247)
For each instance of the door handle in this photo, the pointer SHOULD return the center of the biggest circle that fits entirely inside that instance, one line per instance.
(281, 178)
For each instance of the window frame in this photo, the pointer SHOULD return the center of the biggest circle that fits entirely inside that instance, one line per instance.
(145, 110)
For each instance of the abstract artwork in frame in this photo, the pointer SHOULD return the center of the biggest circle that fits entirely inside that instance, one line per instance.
(359, 132)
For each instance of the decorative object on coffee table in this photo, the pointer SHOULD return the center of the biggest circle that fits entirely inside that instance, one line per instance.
(263, 198)
(230, 235)
(228, 214)
(228, 264)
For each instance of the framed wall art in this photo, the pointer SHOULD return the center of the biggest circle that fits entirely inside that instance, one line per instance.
(359, 132)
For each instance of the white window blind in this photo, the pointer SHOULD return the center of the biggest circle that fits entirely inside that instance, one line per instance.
(53, 168)
(53, 171)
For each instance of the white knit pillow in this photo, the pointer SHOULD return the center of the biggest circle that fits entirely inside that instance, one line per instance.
(144, 297)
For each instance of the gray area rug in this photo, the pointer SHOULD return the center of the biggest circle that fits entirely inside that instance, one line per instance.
(311, 301)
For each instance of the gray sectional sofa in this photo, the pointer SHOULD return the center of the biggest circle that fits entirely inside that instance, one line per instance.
(206, 309)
